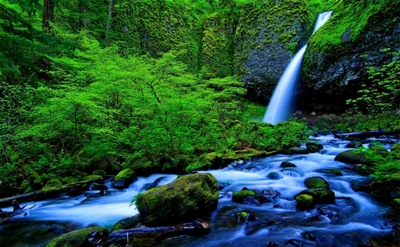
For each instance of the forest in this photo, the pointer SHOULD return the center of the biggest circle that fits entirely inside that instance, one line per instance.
(176, 86)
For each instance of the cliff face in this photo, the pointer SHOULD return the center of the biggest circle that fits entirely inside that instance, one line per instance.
(266, 39)
(360, 34)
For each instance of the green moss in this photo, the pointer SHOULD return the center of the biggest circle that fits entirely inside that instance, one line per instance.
(93, 178)
(304, 201)
(53, 185)
(335, 172)
(32, 174)
(316, 182)
(239, 196)
(188, 197)
(124, 174)
(76, 238)
(127, 223)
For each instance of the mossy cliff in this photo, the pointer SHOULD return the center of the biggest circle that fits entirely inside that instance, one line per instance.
(358, 35)
(266, 39)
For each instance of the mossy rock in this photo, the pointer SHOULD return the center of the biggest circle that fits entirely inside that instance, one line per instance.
(76, 238)
(53, 185)
(101, 173)
(353, 157)
(354, 144)
(189, 197)
(304, 201)
(331, 172)
(316, 182)
(244, 154)
(320, 195)
(127, 223)
(93, 179)
(287, 164)
(298, 150)
(240, 196)
(314, 147)
(124, 178)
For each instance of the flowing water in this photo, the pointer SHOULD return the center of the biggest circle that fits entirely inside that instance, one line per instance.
(279, 106)
(350, 221)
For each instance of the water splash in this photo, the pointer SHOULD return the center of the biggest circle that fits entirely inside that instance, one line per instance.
(279, 105)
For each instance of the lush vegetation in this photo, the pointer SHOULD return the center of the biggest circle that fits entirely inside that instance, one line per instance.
(77, 98)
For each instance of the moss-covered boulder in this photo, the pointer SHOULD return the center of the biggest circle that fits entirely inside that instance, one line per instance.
(77, 238)
(304, 201)
(124, 178)
(314, 147)
(316, 182)
(298, 150)
(287, 164)
(320, 195)
(330, 172)
(93, 179)
(127, 223)
(53, 184)
(243, 195)
(353, 157)
(189, 197)
(354, 144)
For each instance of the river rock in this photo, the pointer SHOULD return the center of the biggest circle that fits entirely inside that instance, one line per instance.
(314, 147)
(321, 195)
(274, 176)
(77, 238)
(354, 144)
(287, 164)
(353, 157)
(124, 179)
(298, 150)
(127, 223)
(304, 201)
(316, 182)
(53, 184)
(189, 197)
(246, 196)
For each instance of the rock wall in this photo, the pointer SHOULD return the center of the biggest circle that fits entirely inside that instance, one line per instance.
(360, 34)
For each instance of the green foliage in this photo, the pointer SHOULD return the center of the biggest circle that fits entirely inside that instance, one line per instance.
(383, 92)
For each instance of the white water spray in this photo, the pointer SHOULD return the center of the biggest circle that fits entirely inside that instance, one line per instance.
(278, 107)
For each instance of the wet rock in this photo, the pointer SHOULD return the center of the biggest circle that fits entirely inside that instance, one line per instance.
(287, 164)
(293, 172)
(97, 186)
(298, 150)
(326, 211)
(241, 217)
(295, 242)
(354, 144)
(53, 185)
(245, 196)
(274, 176)
(353, 157)
(316, 182)
(304, 201)
(308, 236)
(95, 237)
(330, 172)
(127, 223)
(124, 179)
(189, 197)
(79, 238)
(321, 195)
(153, 184)
(269, 195)
(272, 244)
(314, 147)
(362, 184)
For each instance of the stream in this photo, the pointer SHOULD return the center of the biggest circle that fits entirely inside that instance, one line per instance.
(352, 220)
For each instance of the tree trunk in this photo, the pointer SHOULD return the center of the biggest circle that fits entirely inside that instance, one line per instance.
(48, 14)
(109, 24)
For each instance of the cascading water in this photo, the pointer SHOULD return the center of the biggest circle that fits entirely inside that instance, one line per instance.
(278, 107)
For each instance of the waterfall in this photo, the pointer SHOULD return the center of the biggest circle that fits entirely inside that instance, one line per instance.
(279, 105)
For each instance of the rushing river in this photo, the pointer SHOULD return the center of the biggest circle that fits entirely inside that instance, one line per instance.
(351, 221)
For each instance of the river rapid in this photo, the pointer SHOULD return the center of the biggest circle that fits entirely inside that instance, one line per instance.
(352, 220)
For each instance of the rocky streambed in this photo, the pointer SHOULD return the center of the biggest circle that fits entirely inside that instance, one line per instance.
(264, 202)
